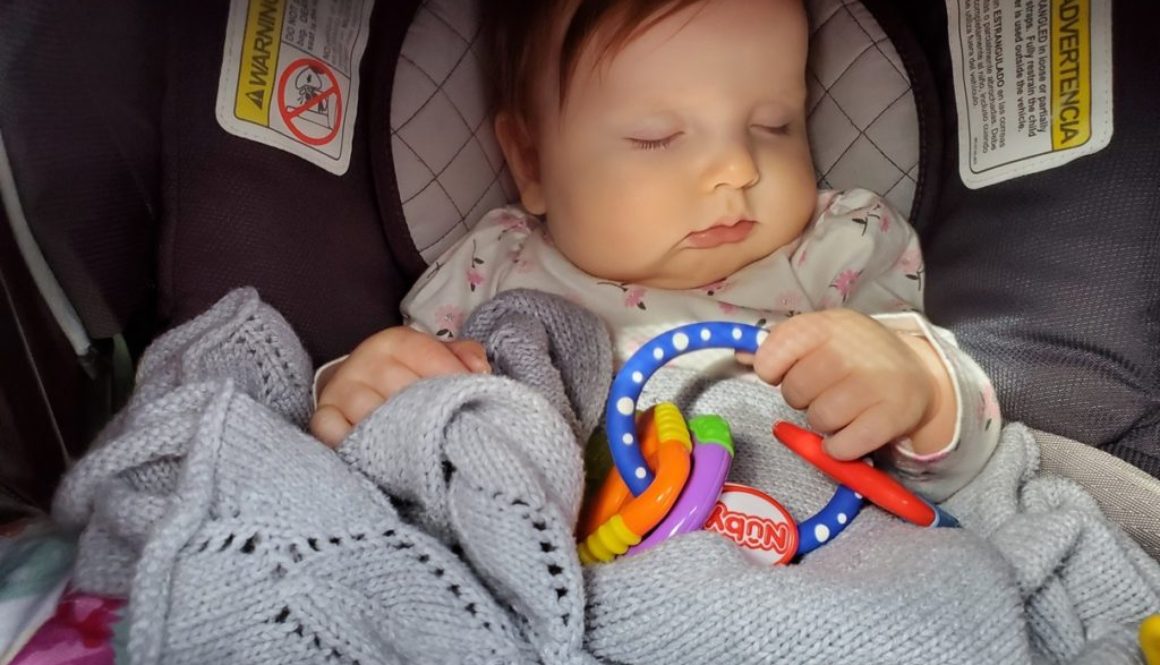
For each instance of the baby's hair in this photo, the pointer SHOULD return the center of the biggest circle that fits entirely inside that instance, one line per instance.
(517, 36)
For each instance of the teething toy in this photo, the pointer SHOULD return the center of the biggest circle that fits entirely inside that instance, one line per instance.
(712, 457)
(757, 523)
(884, 491)
(614, 530)
(641, 514)
(1150, 639)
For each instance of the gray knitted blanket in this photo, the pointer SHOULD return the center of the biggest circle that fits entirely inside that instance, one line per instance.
(441, 531)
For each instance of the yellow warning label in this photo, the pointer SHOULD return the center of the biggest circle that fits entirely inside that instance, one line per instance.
(1071, 92)
(259, 61)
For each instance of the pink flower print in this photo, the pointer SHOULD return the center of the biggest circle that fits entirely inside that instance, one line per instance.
(988, 409)
(910, 264)
(448, 320)
(720, 286)
(801, 257)
(633, 295)
(789, 302)
(510, 221)
(884, 223)
(726, 307)
(522, 265)
(910, 260)
(845, 282)
(475, 276)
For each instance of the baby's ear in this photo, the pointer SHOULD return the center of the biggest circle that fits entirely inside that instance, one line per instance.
(519, 151)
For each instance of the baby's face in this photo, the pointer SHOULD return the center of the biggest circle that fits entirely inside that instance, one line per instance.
(685, 157)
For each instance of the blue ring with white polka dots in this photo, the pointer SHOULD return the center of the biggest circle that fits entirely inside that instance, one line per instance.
(628, 384)
(626, 389)
(828, 522)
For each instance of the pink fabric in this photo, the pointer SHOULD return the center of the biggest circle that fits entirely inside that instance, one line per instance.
(80, 633)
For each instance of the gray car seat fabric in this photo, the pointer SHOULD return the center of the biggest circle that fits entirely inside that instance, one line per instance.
(79, 94)
(1126, 494)
(1052, 280)
(317, 246)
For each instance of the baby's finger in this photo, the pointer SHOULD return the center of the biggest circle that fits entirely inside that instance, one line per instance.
(329, 426)
(869, 431)
(426, 357)
(838, 406)
(811, 376)
(472, 354)
(789, 342)
(356, 400)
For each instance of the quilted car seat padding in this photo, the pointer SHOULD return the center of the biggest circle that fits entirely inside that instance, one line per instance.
(239, 213)
(1052, 280)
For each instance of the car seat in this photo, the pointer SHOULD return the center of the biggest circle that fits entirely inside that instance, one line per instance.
(128, 209)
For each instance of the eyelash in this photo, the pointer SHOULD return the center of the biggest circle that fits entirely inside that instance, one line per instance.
(780, 130)
(661, 144)
(657, 144)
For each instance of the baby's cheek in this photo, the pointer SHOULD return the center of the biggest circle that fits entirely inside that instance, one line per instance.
(607, 236)
(790, 193)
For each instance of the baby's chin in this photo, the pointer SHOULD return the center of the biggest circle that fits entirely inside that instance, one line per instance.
(685, 269)
(700, 274)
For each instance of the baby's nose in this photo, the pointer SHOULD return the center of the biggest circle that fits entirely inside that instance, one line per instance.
(734, 169)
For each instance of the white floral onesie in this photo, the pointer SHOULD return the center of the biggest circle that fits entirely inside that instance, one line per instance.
(857, 253)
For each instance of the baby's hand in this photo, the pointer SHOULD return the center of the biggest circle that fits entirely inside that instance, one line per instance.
(859, 381)
(380, 367)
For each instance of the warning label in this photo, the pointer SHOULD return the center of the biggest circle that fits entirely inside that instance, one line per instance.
(1033, 84)
(289, 75)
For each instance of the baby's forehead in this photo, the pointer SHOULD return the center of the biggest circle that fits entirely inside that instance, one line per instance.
(640, 45)
(718, 41)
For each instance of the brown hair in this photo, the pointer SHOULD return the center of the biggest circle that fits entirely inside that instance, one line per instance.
(517, 37)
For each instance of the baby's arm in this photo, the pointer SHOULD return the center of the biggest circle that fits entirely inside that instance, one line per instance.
(862, 255)
(941, 471)
(380, 367)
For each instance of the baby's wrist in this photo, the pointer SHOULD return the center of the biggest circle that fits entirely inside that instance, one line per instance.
(936, 427)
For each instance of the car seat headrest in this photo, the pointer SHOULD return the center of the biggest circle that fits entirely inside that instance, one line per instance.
(863, 124)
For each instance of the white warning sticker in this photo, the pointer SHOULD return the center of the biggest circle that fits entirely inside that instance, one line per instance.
(1033, 84)
(289, 75)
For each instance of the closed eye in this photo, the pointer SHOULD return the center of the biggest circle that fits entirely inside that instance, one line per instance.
(779, 130)
(654, 144)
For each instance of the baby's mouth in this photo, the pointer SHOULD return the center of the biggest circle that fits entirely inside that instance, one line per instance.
(721, 234)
